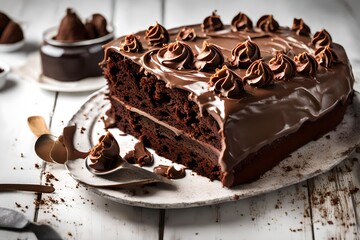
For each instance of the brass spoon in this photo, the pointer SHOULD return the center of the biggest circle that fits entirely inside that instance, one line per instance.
(48, 147)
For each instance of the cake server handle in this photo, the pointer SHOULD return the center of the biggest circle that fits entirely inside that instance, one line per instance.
(26, 187)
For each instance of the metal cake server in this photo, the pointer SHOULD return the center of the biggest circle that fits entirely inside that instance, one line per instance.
(124, 176)
(15, 221)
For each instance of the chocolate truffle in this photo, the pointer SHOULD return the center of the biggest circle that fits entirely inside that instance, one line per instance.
(12, 33)
(96, 26)
(4, 20)
(71, 28)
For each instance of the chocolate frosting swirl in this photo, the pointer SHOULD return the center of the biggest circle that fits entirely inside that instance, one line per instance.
(321, 39)
(209, 58)
(131, 44)
(212, 23)
(259, 74)
(186, 34)
(157, 35)
(325, 56)
(300, 27)
(282, 66)
(105, 154)
(306, 64)
(176, 55)
(241, 22)
(243, 54)
(226, 83)
(267, 23)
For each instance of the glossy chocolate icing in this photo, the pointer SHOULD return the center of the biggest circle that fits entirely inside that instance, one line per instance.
(263, 114)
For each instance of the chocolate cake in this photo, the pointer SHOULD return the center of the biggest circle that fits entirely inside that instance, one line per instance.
(228, 101)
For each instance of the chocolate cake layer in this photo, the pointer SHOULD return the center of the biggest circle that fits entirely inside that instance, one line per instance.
(272, 81)
(203, 159)
(199, 157)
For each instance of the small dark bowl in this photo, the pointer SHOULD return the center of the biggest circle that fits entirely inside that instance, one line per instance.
(65, 61)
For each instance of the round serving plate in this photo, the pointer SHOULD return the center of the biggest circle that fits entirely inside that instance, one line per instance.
(308, 161)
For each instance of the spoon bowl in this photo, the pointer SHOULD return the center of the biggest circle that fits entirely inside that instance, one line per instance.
(43, 146)
(50, 149)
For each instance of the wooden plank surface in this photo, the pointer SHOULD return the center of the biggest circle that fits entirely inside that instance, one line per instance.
(321, 208)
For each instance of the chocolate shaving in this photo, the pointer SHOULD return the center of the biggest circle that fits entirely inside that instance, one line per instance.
(140, 155)
(169, 172)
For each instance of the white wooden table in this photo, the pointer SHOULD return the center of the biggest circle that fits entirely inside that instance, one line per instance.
(325, 207)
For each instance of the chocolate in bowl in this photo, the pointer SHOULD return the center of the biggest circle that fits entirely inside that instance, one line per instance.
(72, 61)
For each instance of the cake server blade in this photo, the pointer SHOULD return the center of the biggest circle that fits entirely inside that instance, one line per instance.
(13, 220)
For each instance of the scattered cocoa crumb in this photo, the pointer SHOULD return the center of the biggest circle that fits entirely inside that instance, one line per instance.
(330, 222)
(14, 168)
(21, 168)
(354, 190)
(18, 205)
(357, 150)
(287, 168)
(37, 166)
(70, 234)
(236, 197)
(335, 200)
(22, 155)
(82, 130)
(49, 176)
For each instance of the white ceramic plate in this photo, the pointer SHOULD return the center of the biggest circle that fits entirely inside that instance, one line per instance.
(32, 71)
(193, 190)
(11, 47)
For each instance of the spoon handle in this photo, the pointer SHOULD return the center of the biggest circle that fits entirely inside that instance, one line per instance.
(27, 187)
(38, 125)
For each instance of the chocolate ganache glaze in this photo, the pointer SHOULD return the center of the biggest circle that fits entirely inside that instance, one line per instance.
(309, 94)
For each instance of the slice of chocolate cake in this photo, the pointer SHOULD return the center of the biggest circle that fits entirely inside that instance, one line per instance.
(228, 102)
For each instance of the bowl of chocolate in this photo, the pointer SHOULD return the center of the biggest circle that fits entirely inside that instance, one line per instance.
(73, 50)
(11, 34)
(4, 70)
